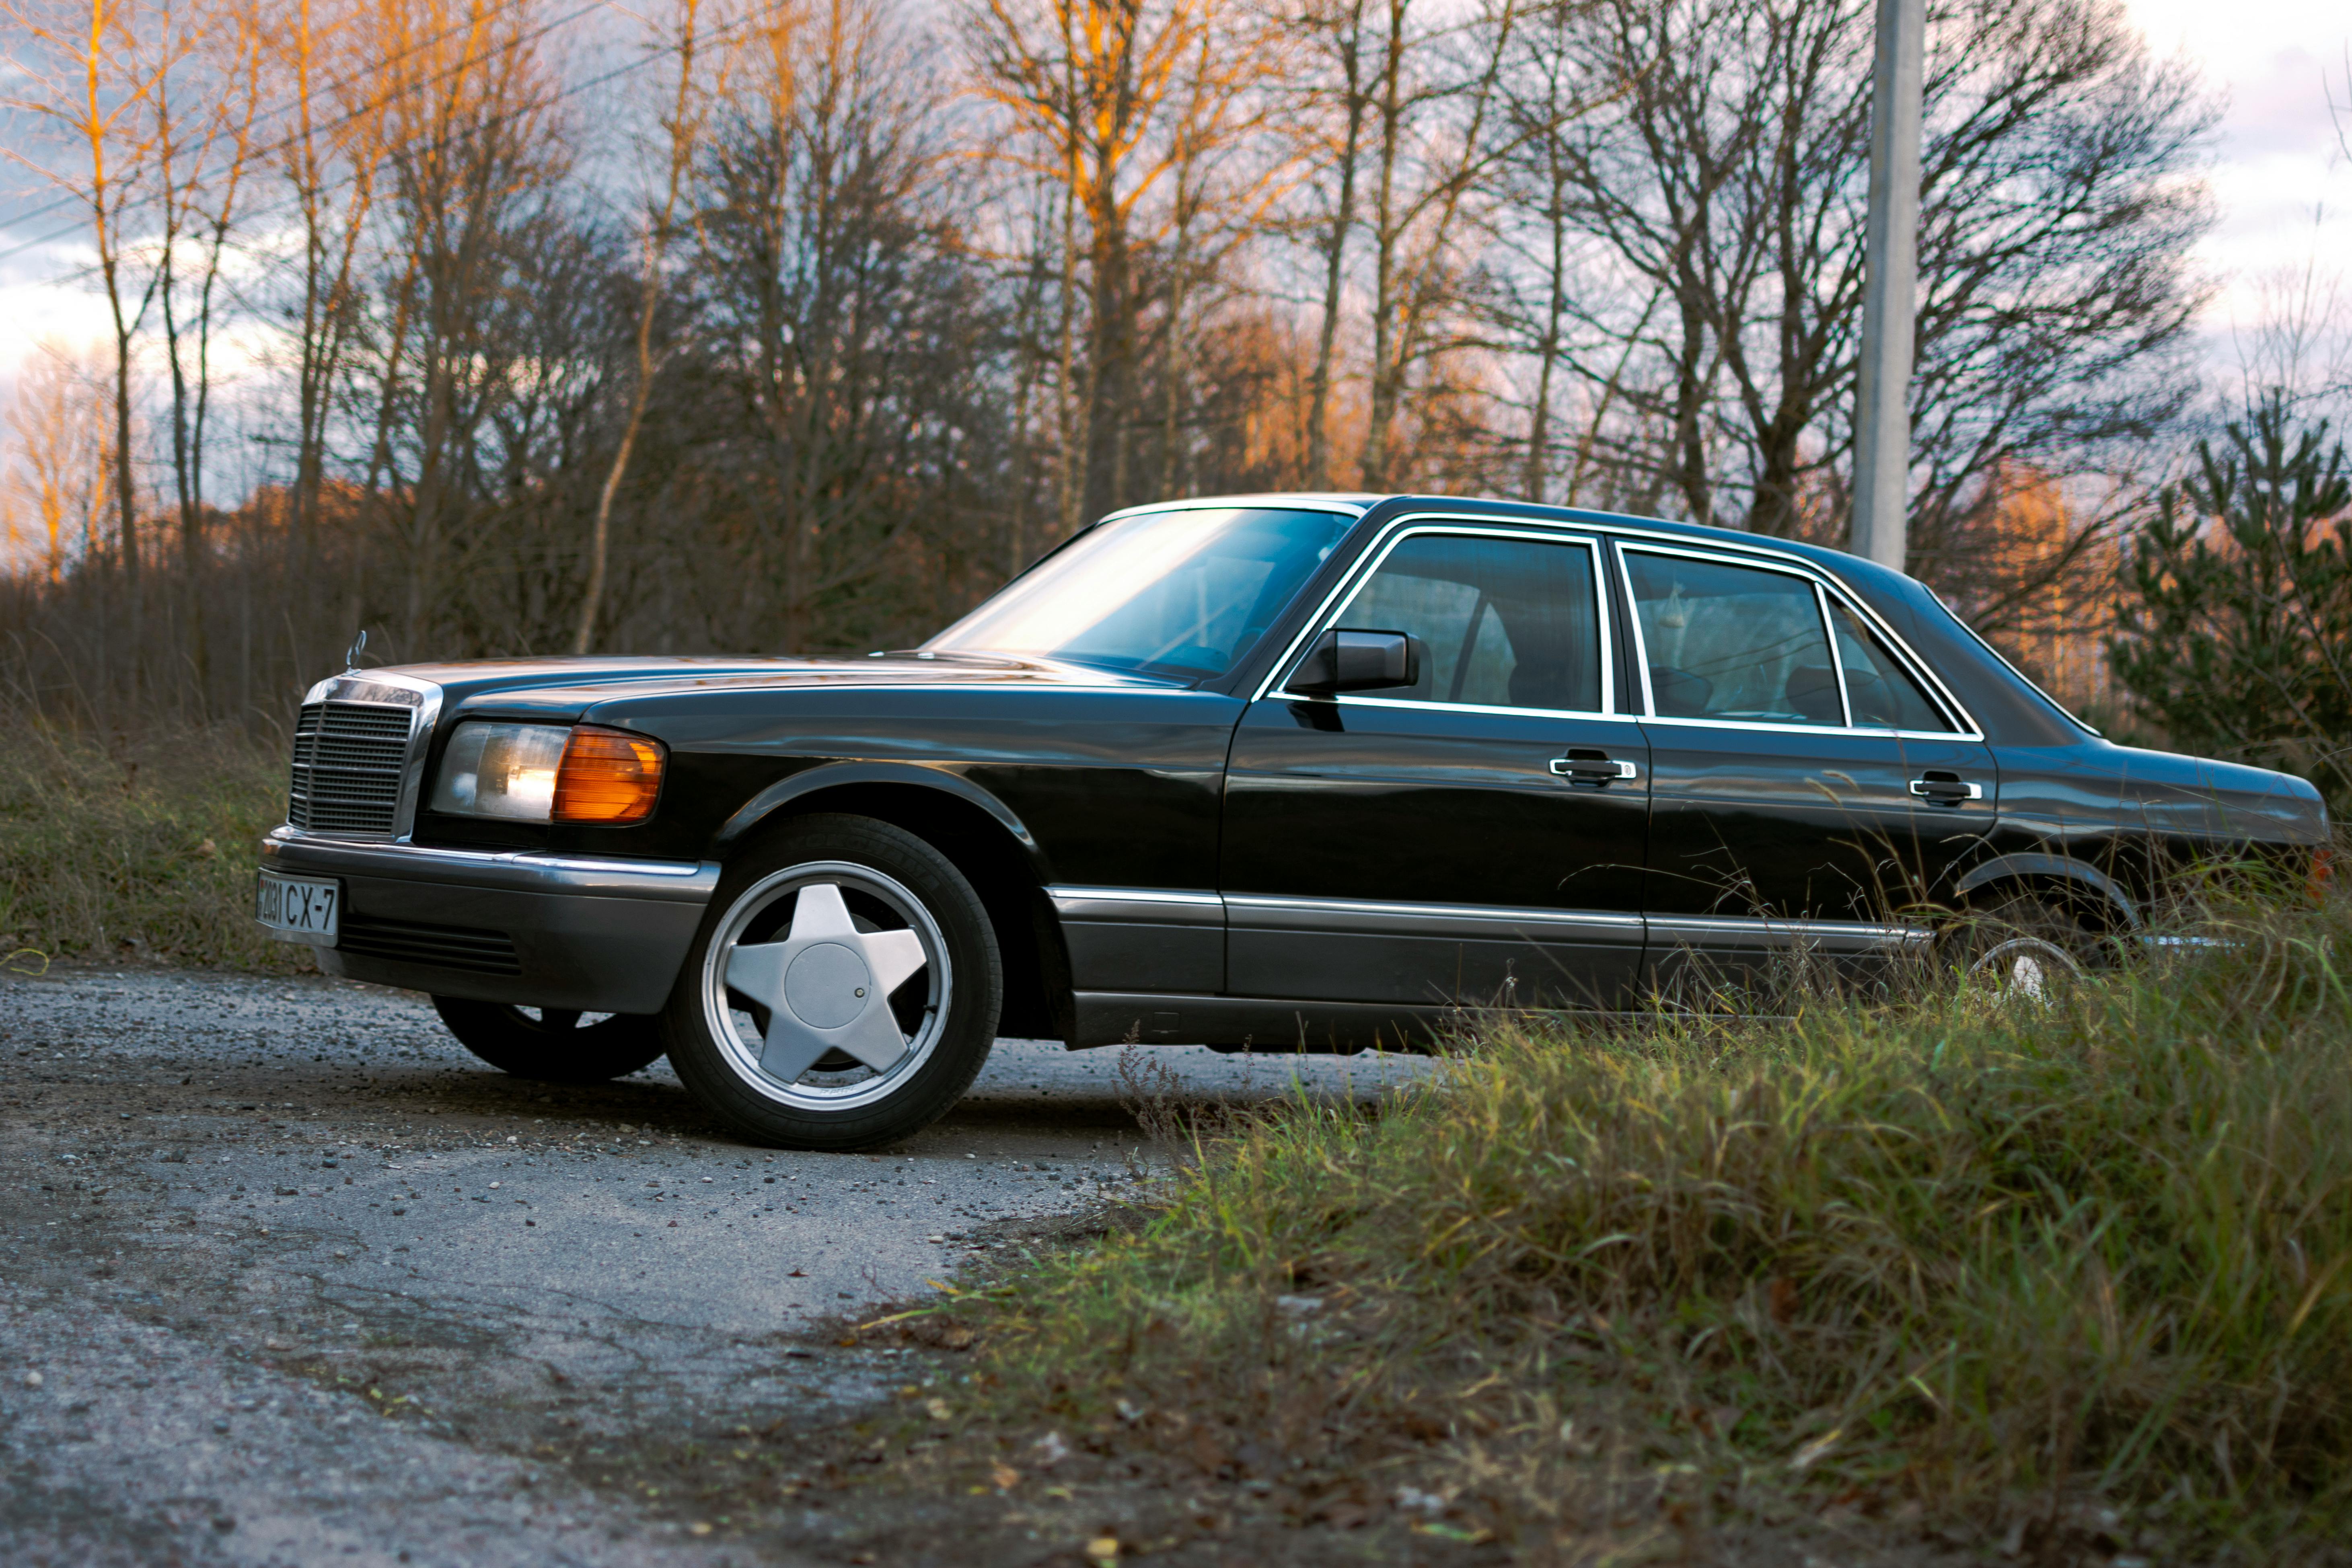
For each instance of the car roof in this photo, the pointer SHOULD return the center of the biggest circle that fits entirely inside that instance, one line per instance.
(1362, 501)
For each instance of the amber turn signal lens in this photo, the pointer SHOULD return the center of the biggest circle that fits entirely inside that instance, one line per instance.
(608, 776)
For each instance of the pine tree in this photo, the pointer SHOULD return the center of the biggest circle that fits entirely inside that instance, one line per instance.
(2237, 627)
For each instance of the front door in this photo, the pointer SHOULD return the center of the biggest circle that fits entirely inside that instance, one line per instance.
(1808, 790)
(1474, 839)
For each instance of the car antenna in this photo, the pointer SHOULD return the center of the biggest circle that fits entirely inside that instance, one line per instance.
(359, 646)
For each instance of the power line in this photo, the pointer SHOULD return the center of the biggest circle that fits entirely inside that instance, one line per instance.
(330, 125)
(287, 106)
(577, 88)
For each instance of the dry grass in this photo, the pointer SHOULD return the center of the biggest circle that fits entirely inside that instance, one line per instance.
(2077, 1276)
(136, 848)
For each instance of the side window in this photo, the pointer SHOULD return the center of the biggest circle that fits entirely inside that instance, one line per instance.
(1509, 623)
(1881, 692)
(1733, 642)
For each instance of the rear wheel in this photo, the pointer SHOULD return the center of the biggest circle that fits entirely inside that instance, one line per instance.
(843, 990)
(2027, 946)
(553, 1045)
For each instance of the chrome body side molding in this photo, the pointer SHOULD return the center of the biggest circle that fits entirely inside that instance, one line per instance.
(1748, 932)
(1478, 922)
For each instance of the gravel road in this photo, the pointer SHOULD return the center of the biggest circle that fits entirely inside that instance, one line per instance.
(291, 1278)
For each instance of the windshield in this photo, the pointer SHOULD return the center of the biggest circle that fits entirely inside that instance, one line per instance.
(1181, 593)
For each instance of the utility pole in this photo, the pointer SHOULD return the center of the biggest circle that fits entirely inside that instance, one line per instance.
(1890, 297)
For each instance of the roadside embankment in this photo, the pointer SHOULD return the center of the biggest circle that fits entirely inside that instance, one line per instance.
(2075, 1279)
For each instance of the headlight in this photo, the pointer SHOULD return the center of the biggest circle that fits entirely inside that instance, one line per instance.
(506, 771)
(549, 773)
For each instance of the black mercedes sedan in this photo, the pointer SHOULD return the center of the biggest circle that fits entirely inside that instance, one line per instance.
(1296, 770)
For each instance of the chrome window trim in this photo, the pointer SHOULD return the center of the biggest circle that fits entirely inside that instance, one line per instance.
(1837, 659)
(1398, 531)
(425, 700)
(1867, 731)
(1418, 706)
(1954, 708)
(1937, 693)
(1312, 502)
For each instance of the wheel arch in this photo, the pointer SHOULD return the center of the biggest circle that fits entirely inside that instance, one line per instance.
(2083, 888)
(983, 839)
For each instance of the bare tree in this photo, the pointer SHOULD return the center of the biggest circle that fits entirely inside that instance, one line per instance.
(473, 158)
(681, 131)
(1726, 178)
(860, 341)
(203, 104)
(60, 474)
(327, 161)
(92, 72)
(1338, 35)
(1095, 91)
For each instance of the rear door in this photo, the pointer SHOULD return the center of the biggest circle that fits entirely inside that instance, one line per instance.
(1811, 787)
(1475, 839)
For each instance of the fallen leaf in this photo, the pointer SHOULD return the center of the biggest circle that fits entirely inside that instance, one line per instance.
(1005, 1476)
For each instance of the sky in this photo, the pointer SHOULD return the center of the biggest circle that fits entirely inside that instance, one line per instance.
(2282, 179)
(2282, 182)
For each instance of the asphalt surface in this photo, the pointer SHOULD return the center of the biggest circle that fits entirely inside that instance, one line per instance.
(288, 1277)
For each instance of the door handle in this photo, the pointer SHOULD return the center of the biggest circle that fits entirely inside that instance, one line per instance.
(1592, 768)
(1946, 789)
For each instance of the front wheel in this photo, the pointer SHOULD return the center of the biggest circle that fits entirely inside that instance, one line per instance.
(553, 1045)
(843, 990)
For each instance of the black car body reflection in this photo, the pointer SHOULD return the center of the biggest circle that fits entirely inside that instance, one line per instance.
(1626, 746)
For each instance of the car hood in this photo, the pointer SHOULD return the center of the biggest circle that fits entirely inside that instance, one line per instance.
(553, 686)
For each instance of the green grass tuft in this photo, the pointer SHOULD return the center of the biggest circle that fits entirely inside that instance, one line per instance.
(141, 849)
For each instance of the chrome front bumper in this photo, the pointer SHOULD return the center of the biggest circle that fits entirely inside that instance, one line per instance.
(543, 931)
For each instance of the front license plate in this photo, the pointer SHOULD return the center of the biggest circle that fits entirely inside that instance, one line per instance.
(297, 908)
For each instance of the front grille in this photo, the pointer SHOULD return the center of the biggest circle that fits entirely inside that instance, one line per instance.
(467, 948)
(348, 761)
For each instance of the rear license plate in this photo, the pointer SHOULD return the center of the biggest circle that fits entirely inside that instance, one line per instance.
(297, 908)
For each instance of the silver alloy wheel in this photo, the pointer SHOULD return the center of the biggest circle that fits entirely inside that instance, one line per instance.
(2026, 966)
(814, 997)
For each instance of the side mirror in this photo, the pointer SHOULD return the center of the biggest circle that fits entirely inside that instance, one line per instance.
(1358, 661)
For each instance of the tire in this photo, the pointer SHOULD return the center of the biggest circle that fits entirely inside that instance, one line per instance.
(2026, 946)
(768, 1024)
(554, 1047)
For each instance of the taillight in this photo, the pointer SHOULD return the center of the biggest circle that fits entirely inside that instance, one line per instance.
(608, 776)
(2323, 871)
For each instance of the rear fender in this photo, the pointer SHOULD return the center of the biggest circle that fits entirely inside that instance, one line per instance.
(2083, 881)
